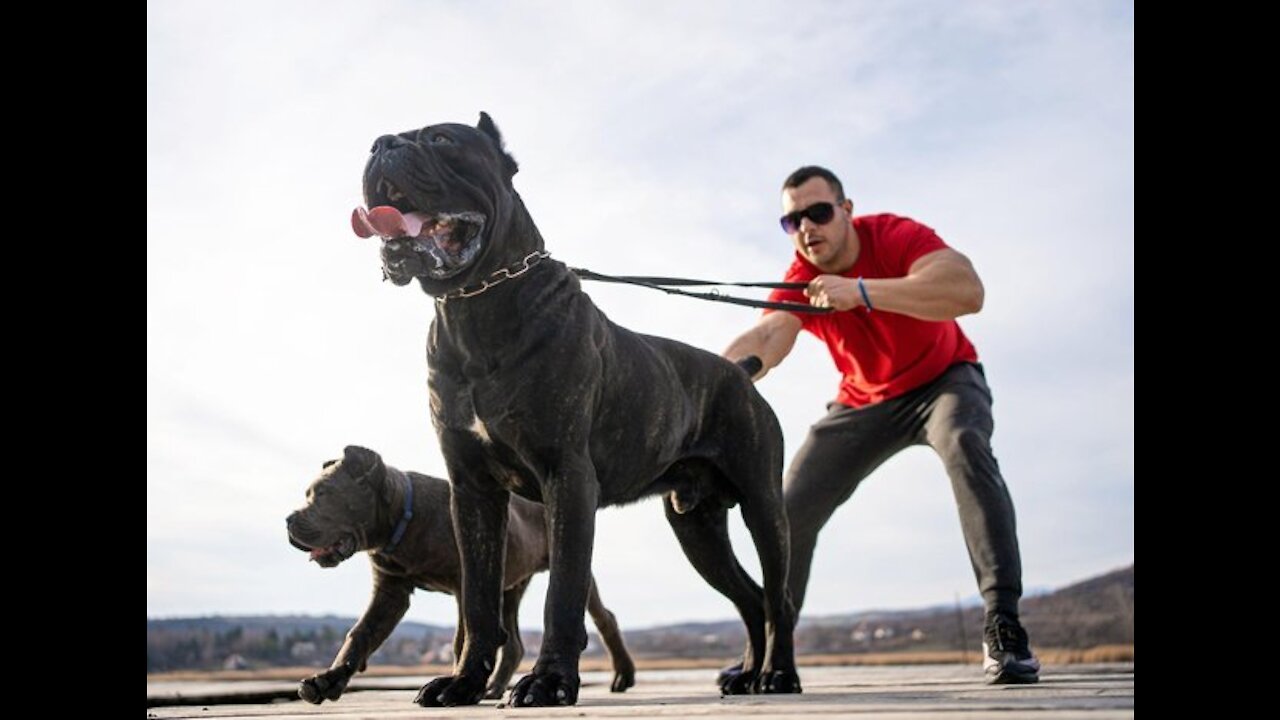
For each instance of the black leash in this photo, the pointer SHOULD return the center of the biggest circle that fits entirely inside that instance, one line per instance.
(669, 285)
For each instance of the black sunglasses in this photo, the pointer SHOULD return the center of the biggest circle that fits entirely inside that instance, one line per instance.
(821, 213)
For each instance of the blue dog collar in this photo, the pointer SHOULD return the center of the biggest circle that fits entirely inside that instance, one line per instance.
(405, 518)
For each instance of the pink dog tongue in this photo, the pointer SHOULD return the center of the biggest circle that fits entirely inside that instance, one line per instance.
(386, 222)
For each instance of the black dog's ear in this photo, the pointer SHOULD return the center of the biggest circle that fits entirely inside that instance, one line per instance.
(487, 127)
(362, 464)
(327, 463)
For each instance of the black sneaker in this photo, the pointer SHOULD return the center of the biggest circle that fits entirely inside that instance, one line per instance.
(1006, 657)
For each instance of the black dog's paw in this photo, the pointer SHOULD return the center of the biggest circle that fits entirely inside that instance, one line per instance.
(327, 685)
(727, 674)
(623, 680)
(735, 680)
(545, 689)
(778, 682)
(450, 691)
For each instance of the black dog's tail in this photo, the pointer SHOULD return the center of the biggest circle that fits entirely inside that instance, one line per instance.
(751, 364)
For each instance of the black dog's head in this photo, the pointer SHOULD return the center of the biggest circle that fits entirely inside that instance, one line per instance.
(442, 201)
(345, 506)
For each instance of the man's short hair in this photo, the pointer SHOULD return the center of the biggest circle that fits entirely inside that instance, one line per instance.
(804, 174)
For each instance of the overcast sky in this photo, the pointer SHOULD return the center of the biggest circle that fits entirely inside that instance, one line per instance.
(652, 139)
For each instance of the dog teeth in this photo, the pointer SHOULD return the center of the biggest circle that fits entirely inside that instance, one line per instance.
(385, 187)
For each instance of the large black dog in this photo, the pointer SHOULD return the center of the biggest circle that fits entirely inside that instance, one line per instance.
(535, 392)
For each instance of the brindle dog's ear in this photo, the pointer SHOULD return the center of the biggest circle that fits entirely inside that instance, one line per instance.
(362, 464)
(327, 463)
(487, 127)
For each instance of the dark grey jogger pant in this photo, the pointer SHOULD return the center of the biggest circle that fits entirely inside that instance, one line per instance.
(951, 414)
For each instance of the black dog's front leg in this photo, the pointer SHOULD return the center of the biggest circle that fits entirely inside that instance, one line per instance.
(570, 495)
(479, 510)
(388, 605)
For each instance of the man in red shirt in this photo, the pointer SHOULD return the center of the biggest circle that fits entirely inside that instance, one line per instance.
(909, 377)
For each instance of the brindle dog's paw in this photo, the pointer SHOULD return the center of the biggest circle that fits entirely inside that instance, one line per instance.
(545, 689)
(737, 681)
(327, 685)
(778, 682)
(450, 691)
(622, 680)
(495, 692)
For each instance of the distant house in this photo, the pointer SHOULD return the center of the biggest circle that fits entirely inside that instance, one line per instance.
(442, 654)
(302, 650)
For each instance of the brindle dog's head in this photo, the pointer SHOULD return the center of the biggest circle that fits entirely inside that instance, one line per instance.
(345, 506)
(442, 201)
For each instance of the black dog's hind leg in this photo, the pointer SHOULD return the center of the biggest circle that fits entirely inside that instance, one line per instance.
(757, 481)
(765, 519)
(703, 532)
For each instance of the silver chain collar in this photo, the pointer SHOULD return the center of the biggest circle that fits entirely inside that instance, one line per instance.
(510, 272)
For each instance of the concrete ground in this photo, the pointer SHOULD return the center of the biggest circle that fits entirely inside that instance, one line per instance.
(1096, 692)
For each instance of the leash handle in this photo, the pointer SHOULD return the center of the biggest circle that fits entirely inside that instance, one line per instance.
(681, 282)
(660, 283)
(751, 364)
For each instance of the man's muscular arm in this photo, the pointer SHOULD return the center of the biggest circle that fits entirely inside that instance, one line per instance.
(939, 286)
(770, 340)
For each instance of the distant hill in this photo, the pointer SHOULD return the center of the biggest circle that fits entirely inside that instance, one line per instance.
(1097, 611)
(1091, 612)
(282, 624)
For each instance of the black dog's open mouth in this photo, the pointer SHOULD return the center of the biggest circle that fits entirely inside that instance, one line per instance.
(420, 244)
(331, 555)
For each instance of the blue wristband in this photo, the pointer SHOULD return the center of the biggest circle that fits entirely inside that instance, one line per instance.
(865, 300)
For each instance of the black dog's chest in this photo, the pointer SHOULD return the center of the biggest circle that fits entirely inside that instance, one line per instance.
(507, 465)
(474, 433)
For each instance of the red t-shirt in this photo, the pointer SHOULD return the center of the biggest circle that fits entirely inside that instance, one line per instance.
(881, 354)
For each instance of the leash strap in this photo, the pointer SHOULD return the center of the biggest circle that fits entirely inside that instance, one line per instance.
(669, 285)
